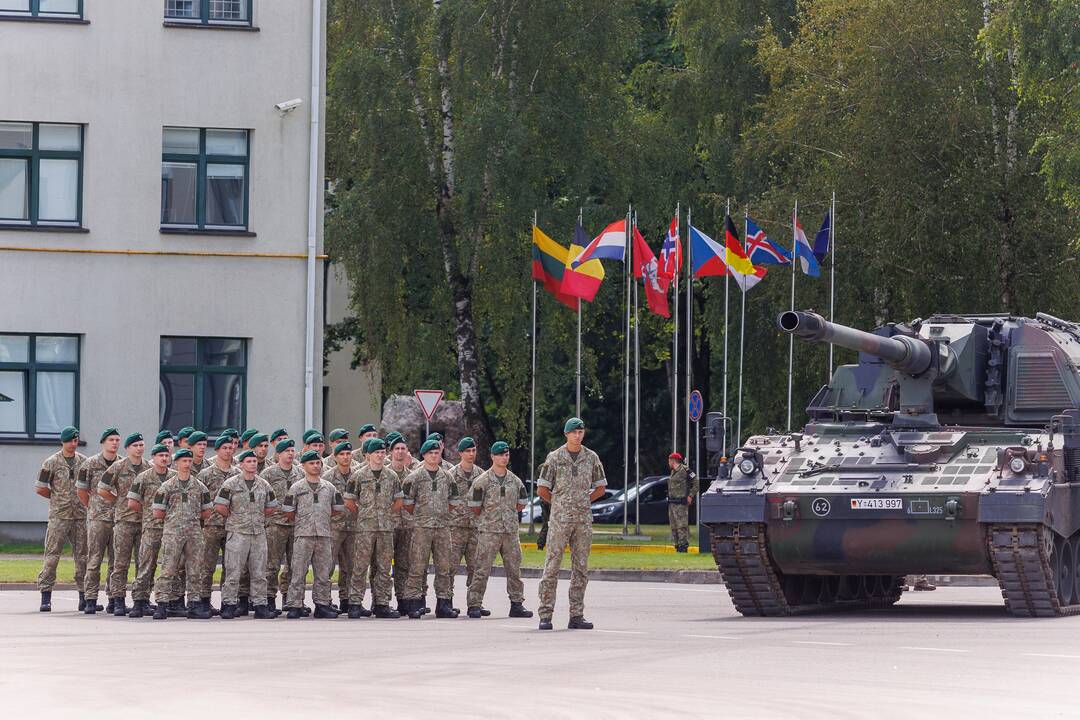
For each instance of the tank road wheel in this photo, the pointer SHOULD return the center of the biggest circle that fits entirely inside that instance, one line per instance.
(794, 587)
(831, 588)
(1065, 570)
(847, 588)
(813, 590)
(1076, 568)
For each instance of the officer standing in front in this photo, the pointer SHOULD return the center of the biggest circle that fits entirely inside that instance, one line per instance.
(680, 495)
(572, 478)
(67, 517)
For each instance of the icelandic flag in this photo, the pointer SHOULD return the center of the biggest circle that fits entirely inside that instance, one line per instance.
(671, 258)
(821, 240)
(706, 254)
(608, 245)
(806, 257)
(761, 249)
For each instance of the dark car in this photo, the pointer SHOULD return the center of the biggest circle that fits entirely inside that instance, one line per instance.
(653, 504)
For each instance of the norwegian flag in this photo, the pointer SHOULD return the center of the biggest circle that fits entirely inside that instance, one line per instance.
(671, 251)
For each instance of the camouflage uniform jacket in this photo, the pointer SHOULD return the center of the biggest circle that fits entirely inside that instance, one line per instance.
(375, 495)
(117, 480)
(462, 516)
(247, 503)
(571, 481)
(213, 478)
(198, 467)
(432, 498)
(143, 490)
(313, 504)
(346, 521)
(183, 501)
(680, 485)
(498, 498)
(404, 518)
(280, 481)
(89, 474)
(59, 478)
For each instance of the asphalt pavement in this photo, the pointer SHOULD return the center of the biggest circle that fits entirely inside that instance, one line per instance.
(658, 650)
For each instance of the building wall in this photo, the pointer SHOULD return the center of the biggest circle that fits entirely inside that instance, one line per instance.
(352, 395)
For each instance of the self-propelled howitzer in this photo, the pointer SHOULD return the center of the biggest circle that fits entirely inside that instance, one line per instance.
(951, 447)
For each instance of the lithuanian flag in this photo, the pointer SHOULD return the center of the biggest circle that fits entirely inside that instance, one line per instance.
(584, 280)
(549, 261)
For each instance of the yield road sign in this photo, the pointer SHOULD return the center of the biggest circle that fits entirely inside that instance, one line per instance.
(429, 400)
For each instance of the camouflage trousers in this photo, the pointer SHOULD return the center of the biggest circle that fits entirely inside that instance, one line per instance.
(213, 547)
(678, 517)
(178, 552)
(98, 543)
(373, 551)
(341, 545)
(402, 548)
(463, 542)
(578, 536)
(431, 543)
(509, 547)
(244, 553)
(316, 553)
(279, 551)
(125, 549)
(149, 546)
(58, 533)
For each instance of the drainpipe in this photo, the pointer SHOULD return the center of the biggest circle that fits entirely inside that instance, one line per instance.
(314, 188)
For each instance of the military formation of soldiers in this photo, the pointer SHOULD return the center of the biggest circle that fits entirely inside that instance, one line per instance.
(273, 511)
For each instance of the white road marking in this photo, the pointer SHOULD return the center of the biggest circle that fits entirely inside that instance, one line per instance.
(623, 632)
(1052, 655)
(714, 637)
(821, 642)
(933, 649)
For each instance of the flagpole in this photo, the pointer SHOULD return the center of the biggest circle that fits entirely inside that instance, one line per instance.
(637, 411)
(626, 381)
(675, 349)
(577, 374)
(742, 336)
(689, 332)
(532, 412)
(832, 273)
(727, 276)
(791, 338)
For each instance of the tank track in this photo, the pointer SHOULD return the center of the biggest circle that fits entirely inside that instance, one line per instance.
(758, 588)
(1021, 558)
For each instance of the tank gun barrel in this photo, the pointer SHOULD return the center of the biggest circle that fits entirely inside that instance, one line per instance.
(906, 354)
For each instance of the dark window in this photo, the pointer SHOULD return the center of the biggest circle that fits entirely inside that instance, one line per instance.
(203, 383)
(224, 12)
(42, 8)
(204, 178)
(40, 173)
(39, 384)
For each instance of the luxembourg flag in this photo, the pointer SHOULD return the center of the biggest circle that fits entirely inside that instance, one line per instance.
(803, 251)
(608, 245)
(706, 254)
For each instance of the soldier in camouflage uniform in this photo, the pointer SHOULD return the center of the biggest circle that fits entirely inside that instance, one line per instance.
(245, 500)
(99, 517)
(443, 462)
(401, 463)
(463, 521)
(496, 498)
(365, 433)
(182, 502)
(275, 437)
(140, 499)
(311, 504)
(67, 517)
(197, 442)
(430, 495)
(127, 524)
(337, 435)
(343, 527)
(260, 446)
(680, 491)
(213, 530)
(165, 437)
(573, 477)
(374, 494)
(279, 538)
(182, 437)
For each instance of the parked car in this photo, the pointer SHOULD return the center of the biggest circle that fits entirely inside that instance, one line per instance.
(535, 509)
(653, 504)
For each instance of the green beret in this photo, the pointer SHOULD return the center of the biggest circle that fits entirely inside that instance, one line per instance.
(280, 432)
(311, 430)
(163, 436)
(366, 429)
(181, 453)
(222, 440)
(69, 433)
(244, 456)
(184, 432)
(428, 446)
(257, 440)
(391, 435)
(230, 432)
(310, 434)
(158, 449)
(247, 434)
(499, 448)
(107, 432)
(394, 439)
(342, 447)
(338, 434)
(133, 438)
(435, 436)
(373, 445)
(309, 456)
(316, 438)
(574, 423)
(196, 437)
(284, 445)
(465, 443)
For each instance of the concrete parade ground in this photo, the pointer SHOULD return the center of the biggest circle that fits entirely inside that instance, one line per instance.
(658, 650)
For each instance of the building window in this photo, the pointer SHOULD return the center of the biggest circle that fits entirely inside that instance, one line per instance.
(45, 9)
(40, 173)
(225, 12)
(204, 178)
(39, 384)
(203, 383)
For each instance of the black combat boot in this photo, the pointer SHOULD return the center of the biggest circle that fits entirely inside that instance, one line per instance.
(325, 612)
(243, 607)
(579, 623)
(403, 606)
(484, 611)
(384, 612)
(424, 609)
(120, 607)
(305, 611)
(82, 601)
(228, 612)
(343, 605)
(444, 609)
(293, 614)
(91, 606)
(474, 612)
(545, 623)
(138, 609)
(176, 608)
(206, 604)
(517, 610)
(46, 601)
(354, 612)
(110, 606)
(262, 612)
(271, 602)
(198, 611)
(415, 609)
(162, 611)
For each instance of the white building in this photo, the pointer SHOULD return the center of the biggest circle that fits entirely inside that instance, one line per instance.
(157, 265)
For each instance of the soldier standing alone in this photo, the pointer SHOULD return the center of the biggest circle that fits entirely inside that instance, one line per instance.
(680, 491)
(67, 517)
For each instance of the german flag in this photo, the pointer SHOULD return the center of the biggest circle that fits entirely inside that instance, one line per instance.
(549, 260)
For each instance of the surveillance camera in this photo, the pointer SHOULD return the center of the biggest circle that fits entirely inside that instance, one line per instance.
(288, 105)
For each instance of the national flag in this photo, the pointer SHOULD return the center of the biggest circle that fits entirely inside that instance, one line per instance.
(747, 281)
(706, 254)
(584, 280)
(806, 257)
(608, 245)
(646, 267)
(761, 250)
(735, 255)
(821, 240)
(671, 258)
(548, 264)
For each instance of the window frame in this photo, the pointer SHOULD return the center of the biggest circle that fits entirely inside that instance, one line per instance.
(36, 13)
(204, 19)
(201, 185)
(31, 368)
(35, 155)
(200, 371)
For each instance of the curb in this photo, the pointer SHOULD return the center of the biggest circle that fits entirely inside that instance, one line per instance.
(650, 549)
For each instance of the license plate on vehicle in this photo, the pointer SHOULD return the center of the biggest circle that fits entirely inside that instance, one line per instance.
(877, 504)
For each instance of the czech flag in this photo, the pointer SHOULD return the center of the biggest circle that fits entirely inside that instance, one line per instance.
(608, 245)
(583, 280)
(548, 264)
(761, 249)
(706, 254)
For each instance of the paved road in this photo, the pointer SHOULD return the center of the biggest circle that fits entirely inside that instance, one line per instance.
(659, 650)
